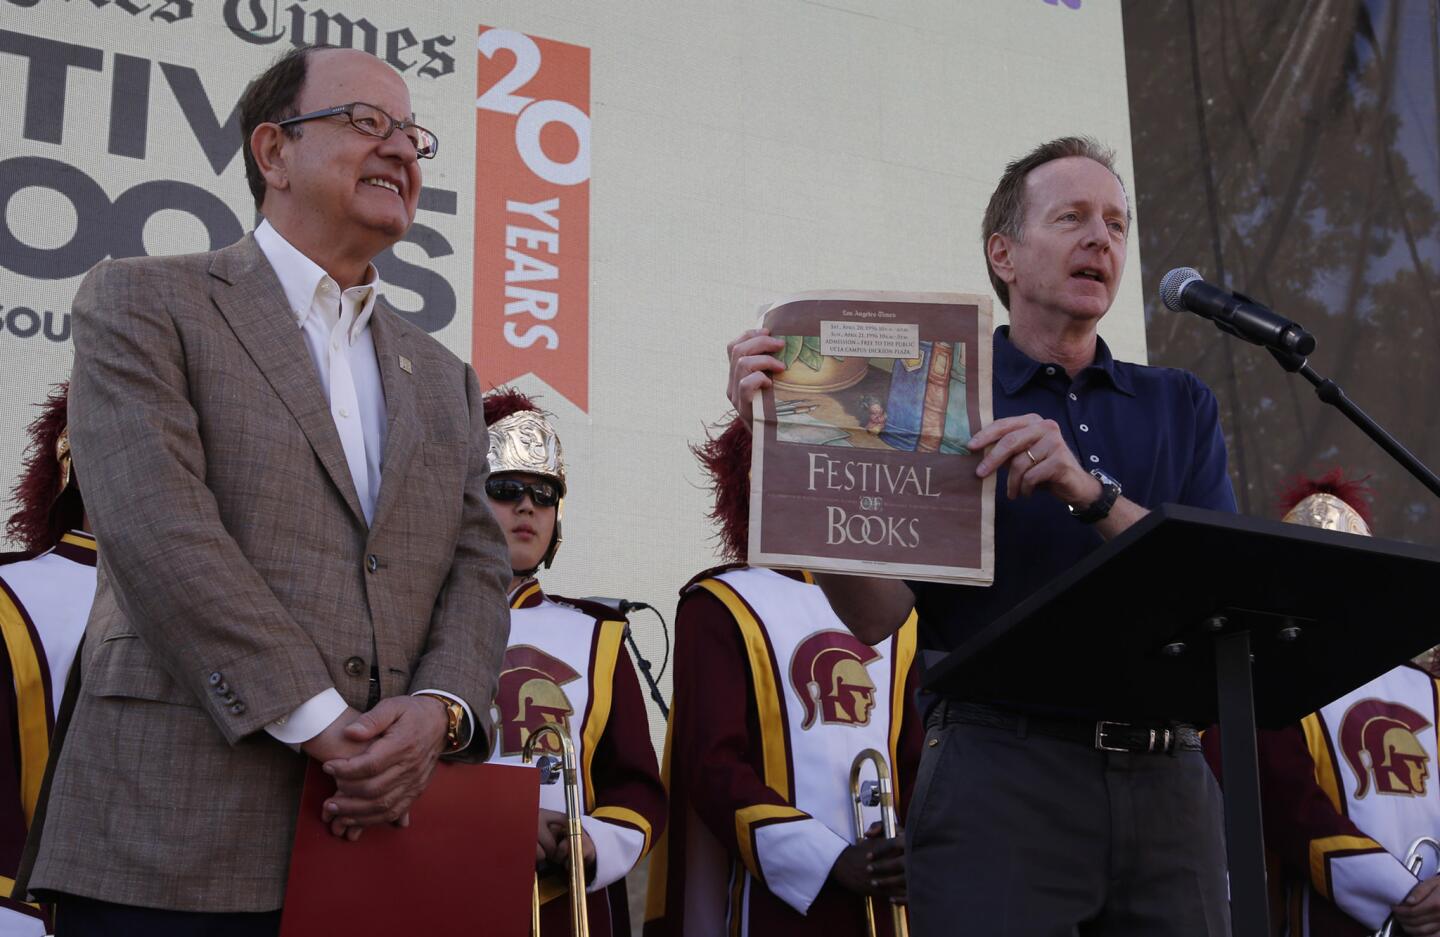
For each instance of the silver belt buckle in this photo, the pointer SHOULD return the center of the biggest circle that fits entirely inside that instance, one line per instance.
(1102, 727)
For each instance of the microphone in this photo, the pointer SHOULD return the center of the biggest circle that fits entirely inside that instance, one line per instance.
(1183, 288)
(620, 605)
(623, 606)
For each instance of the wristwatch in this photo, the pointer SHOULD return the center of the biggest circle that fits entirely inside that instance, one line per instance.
(454, 722)
(1099, 509)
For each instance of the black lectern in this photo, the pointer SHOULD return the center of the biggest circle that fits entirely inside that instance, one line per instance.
(1204, 617)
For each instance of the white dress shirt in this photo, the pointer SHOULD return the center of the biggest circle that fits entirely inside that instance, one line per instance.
(336, 327)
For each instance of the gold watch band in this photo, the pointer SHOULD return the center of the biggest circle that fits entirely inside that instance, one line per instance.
(454, 721)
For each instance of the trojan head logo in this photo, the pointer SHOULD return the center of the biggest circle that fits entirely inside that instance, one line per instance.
(529, 696)
(1378, 740)
(829, 675)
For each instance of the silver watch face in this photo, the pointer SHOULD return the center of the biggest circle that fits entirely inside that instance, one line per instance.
(1105, 479)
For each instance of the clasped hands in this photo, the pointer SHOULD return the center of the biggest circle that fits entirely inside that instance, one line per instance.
(381, 761)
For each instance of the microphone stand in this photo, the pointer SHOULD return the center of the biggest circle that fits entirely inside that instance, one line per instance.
(1331, 393)
(640, 660)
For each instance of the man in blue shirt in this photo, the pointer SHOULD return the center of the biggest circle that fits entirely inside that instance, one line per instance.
(1019, 824)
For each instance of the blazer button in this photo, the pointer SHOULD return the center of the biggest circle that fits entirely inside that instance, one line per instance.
(222, 688)
(355, 666)
(215, 678)
(372, 562)
(238, 709)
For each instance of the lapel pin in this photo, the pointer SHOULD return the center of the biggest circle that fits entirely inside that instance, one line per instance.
(405, 365)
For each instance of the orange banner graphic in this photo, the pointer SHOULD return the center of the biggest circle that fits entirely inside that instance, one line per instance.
(532, 212)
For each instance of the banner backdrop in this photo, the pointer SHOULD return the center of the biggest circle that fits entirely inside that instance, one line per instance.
(620, 185)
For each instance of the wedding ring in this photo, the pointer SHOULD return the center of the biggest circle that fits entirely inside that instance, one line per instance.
(1033, 460)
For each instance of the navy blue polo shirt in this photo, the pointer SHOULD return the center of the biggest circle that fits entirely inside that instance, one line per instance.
(1154, 430)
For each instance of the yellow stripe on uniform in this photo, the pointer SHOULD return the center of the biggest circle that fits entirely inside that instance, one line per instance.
(747, 817)
(1319, 745)
(1320, 850)
(602, 680)
(75, 540)
(31, 707)
(903, 650)
(767, 694)
(524, 594)
(628, 817)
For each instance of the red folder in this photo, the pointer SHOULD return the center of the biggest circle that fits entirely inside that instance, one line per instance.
(464, 866)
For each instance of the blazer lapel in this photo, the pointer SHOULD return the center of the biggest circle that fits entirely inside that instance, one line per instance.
(394, 341)
(249, 296)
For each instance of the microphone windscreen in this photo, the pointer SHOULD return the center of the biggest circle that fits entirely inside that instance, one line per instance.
(1174, 284)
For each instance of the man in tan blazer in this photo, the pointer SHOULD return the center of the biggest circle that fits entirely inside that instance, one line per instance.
(289, 482)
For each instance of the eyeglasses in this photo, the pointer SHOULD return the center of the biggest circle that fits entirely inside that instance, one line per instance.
(543, 494)
(370, 120)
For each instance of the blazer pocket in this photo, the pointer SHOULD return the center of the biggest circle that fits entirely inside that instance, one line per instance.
(123, 666)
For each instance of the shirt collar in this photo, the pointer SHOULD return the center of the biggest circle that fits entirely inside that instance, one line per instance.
(301, 278)
(1014, 369)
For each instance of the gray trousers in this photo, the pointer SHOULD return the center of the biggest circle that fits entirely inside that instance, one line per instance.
(1012, 835)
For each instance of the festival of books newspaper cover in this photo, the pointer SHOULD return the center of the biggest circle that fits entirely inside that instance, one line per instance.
(860, 462)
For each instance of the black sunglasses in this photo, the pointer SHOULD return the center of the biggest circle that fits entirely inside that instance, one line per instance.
(543, 494)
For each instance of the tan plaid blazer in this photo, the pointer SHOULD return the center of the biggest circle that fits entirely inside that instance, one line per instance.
(238, 577)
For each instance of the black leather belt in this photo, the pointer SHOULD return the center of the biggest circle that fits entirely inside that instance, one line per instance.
(1102, 735)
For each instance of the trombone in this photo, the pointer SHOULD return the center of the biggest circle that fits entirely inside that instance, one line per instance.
(1413, 862)
(550, 769)
(876, 793)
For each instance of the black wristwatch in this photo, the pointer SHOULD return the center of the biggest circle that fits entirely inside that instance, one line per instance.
(1099, 509)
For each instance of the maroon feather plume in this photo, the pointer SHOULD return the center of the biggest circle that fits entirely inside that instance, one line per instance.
(1353, 491)
(503, 401)
(45, 512)
(726, 459)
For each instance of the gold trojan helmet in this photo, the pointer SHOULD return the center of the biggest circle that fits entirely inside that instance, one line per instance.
(852, 689)
(1333, 502)
(522, 440)
(1404, 757)
(1329, 512)
(541, 701)
(1330, 502)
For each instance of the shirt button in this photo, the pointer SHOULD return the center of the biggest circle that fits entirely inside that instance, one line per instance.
(1072, 396)
(1094, 458)
(372, 562)
(354, 666)
(344, 413)
(334, 346)
(1050, 370)
(1084, 428)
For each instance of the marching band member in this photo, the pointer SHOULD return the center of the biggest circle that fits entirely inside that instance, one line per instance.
(565, 664)
(1348, 789)
(774, 698)
(45, 596)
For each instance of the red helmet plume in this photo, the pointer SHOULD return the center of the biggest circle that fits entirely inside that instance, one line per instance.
(48, 492)
(726, 459)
